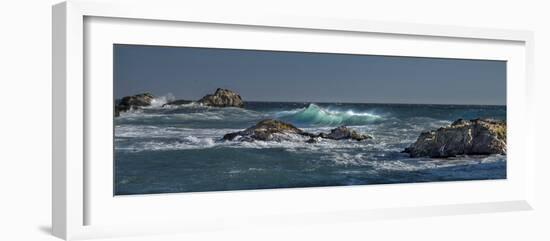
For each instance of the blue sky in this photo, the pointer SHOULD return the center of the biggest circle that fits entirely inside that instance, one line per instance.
(190, 73)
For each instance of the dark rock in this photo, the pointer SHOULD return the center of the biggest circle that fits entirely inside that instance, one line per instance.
(462, 137)
(344, 133)
(268, 130)
(275, 130)
(314, 139)
(222, 98)
(133, 102)
(322, 135)
(460, 122)
(177, 102)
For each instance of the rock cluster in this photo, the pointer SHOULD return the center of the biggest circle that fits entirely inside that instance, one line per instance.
(462, 137)
(222, 98)
(267, 130)
(275, 130)
(132, 102)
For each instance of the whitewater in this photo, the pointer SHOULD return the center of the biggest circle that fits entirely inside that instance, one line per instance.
(165, 149)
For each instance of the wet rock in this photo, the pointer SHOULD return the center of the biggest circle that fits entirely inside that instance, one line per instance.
(462, 137)
(314, 140)
(275, 130)
(133, 102)
(268, 130)
(222, 98)
(344, 133)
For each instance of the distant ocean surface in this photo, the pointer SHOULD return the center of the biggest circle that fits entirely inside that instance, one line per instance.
(178, 149)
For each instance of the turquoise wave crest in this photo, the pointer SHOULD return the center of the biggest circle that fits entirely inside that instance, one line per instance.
(315, 115)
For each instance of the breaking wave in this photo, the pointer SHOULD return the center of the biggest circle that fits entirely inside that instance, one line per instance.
(315, 115)
(158, 102)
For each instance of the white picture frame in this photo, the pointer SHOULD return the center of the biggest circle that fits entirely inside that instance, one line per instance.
(83, 207)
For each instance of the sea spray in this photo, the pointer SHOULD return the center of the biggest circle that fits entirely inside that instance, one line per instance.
(159, 101)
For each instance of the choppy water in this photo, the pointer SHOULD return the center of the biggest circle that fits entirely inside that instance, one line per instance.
(178, 149)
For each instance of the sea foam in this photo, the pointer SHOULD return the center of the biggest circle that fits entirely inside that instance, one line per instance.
(315, 115)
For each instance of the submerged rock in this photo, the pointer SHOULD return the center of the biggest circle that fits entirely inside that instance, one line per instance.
(314, 139)
(133, 102)
(222, 98)
(275, 130)
(462, 137)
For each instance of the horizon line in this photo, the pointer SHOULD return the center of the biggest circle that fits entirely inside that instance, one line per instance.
(347, 102)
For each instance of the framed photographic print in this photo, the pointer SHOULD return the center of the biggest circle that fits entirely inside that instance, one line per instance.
(278, 119)
(179, 121)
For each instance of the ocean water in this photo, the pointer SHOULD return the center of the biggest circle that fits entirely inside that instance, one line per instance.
(179, 149)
